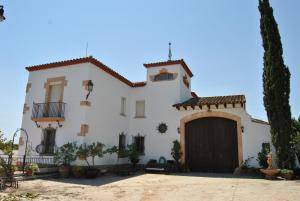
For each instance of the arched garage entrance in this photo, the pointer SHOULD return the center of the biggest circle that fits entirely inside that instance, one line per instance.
(211, 141)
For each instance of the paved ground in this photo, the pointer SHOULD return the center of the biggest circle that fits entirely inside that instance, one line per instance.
(157, 187)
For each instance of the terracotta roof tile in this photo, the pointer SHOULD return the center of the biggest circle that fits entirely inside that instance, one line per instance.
(139, 84)
(172, 62)
(259, 121)
(86, 60)
(194, 95)
(214, 100)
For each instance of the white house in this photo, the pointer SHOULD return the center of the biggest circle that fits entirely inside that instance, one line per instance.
(216, 133)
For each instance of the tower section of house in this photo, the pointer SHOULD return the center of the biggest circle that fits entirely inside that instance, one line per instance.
(167, 83)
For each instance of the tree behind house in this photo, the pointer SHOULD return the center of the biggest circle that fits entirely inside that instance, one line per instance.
(276, 84)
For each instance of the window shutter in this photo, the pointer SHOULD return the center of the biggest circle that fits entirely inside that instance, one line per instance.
(52, 138)
(140, 108)
(122, 142)
(123, 106)
(142, 145)
(43, 137)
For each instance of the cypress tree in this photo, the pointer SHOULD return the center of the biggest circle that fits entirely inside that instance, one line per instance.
(276, 84)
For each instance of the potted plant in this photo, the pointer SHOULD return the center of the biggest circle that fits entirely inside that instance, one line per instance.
(31, 169)
(64, 156)
(85, 151)
(76, 171)
(287, 174)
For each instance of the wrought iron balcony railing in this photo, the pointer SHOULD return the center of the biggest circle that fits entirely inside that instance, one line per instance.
(54, 110)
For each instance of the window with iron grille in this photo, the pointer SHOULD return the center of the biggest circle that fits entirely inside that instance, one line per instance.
(139, 142)
(122, 144)
(48, 140)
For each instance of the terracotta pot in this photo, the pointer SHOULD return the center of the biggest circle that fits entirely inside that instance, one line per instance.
(287, 176)
(91, 173)
(77, 174)
(270, 173)
(29, 173)
(64, 170)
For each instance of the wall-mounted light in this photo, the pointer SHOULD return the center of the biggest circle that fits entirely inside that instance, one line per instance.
(37, 125)
(243, 129)
(90, 87)
(2, 13)
(59, 125)
(178, 130)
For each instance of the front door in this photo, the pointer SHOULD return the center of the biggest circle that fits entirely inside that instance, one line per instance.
(211, 145)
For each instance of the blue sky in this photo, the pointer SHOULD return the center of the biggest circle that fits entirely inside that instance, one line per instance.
(219, 40)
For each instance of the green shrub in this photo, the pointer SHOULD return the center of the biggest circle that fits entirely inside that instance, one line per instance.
(262, 156)
(286, 171)
(92, 150)
(32, 167)
(176, 151)
(66, 154)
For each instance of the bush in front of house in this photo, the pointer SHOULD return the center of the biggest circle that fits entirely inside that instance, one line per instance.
(64, 156)
(176, 153)
(31, 169)
(77, 171)
(85, 152)
(131, 152)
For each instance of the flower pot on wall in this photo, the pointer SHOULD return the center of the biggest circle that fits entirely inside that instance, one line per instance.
(64, 170)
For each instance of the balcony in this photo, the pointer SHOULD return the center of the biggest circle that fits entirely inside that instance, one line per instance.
(47, 112)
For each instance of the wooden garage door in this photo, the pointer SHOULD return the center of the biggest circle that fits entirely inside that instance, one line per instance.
(211, 145)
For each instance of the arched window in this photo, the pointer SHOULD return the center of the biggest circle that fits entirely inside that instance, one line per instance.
(164, 76)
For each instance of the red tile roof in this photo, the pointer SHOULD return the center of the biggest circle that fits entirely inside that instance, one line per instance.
(194, 95)
(259, 121)
(86, 60)
(172, 62)
(214, 100)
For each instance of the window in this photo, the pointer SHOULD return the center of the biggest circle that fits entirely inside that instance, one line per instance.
(123, 106)
(48, 140)
(140, 109)
(139, 142)
(122, 144)
(186, 81)
(163, 76)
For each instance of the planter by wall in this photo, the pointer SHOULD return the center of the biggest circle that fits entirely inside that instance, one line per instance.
(48, 170)
(64, 170)
(91, 173)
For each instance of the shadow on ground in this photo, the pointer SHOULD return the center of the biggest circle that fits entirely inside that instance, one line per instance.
(99, 181)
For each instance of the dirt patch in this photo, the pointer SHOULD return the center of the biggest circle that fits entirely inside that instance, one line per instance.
(155, 187)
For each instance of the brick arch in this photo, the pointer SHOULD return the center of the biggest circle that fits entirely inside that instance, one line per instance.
(200, 115)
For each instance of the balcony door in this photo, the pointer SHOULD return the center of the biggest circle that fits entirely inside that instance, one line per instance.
(55, 93)
(53, 105)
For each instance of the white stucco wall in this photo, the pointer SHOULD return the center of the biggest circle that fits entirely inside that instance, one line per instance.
(104, 119)
(74, 92)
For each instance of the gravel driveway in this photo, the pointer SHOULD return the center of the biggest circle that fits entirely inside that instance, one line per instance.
(158, 187)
